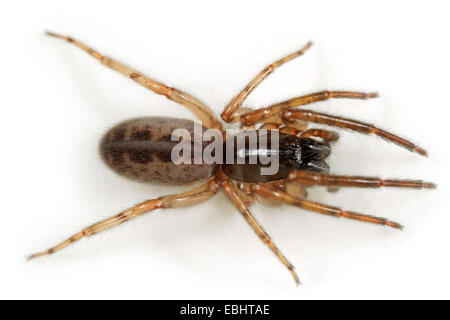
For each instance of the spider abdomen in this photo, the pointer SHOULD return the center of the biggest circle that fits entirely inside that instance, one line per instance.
(141, 149)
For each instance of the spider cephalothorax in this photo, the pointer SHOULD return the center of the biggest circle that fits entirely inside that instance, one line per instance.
(292, 152)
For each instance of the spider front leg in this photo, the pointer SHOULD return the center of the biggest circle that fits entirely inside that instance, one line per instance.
(228, 114)
(260, 114)
(231, 193)
(325, 135)
(296, 128)
(197, 195)
(207, 117)
(322, 118)
(283, 197)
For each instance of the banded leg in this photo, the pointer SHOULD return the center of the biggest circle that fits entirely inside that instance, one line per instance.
(311, 116)
(262, 113)
(228, 114)
(281, 196)
(314, 178)
(197, 195)
(194, 105)
(230, 191)
(325, 135)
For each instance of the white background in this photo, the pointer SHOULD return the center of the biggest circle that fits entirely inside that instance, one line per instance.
(57, 102)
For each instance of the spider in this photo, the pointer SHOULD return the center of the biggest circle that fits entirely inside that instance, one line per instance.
(140, 149)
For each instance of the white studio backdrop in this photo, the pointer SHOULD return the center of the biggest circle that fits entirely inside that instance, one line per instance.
(58, 101)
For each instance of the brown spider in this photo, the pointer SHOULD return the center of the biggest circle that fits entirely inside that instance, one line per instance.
(141, 148)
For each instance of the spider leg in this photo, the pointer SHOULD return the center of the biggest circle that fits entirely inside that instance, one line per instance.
(208, 118)
(281, 196)
(270, 126)
(299, 125)
(290, 130)
(298, 128)
(262, 113)
(228, 114)
(311, 116)
(247, 198)
(231, 193)
(295, 189)
(314, 178)
(277, 123)
(197, 195)
(325, 135)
